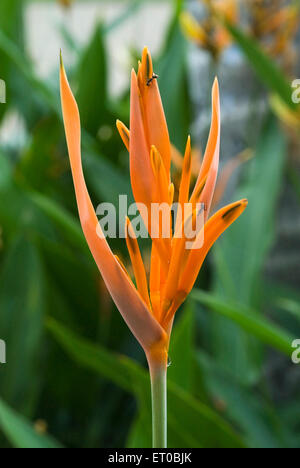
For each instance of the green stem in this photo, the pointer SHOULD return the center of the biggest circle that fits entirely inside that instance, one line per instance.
(158, 375)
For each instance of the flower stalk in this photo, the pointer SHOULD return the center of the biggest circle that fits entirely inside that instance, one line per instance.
(158, 376)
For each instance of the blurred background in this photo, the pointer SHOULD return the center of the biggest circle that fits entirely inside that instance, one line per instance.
(75, 377)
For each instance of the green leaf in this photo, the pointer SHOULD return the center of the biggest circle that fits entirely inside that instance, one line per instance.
(248, 241)
(248, 320)
(265, 67)
(20, 432)
(11, 23)
(106, 181)
(20, 214)
(193, 422)
(44, 98)
(132, 9)
(140, 432)
(247, 408)
(65, 221)
(241, 253)
(182, 349)
(21, 324)
(92, 83)
(289, 305)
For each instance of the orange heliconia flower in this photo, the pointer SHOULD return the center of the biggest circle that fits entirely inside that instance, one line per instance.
(149, 307)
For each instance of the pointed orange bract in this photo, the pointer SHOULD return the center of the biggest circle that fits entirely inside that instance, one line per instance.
(210, 164)
(154, 116)
(149, 309)
(141, 174)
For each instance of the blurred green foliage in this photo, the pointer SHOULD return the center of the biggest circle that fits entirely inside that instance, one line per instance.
(73, 369)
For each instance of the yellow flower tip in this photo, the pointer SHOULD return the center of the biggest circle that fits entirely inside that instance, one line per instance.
(61, 60)
(124, 133)
(147, 66)
(188, 147)
(216, 87)
(155, 159)
(187, 161)
(133, 74)
(236, 209)
(192, 28)
(216, 96)
(171, 193)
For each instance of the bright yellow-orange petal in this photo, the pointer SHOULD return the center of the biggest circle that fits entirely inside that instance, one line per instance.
(155, 281)
(155, 120)
(161, 178)
(137, 263)
(184, 188)
(210, 164)
(214, 227)
(124, 133)
(179, 258)
(133, 309)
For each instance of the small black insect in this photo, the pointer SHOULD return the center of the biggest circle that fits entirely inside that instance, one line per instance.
(154, 77)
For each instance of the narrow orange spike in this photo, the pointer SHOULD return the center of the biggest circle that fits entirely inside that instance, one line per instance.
(124, 133)
(184, 187)
(137, 263)
(210, 164)
(186, 174)
(229, 168)
(155, 281)
(179, 257)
